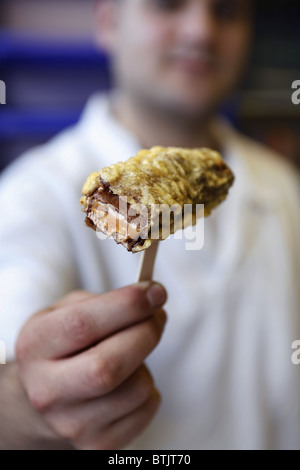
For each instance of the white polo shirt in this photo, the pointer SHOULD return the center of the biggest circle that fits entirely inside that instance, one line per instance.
(224, 365)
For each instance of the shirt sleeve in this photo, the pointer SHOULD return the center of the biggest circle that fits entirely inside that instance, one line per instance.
(36, 262)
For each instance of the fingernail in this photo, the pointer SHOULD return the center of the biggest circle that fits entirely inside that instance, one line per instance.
(156, 295)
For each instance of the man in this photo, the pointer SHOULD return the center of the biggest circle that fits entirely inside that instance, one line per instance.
(223, 366)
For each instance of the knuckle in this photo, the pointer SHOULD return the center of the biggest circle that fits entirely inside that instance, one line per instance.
(41, 400)
(156, 400)
(153, 402)
(77, 325)
(154, 331)
(145, 386)
(105, 375)
(68, 428)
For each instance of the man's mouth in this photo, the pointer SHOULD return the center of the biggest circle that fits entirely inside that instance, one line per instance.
(193, 61)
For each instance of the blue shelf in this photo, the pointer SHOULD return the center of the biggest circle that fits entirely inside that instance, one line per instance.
(33, 123)
(29, 61)
(34, 49)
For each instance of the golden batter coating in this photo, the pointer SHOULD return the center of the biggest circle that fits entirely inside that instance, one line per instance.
(171, 176)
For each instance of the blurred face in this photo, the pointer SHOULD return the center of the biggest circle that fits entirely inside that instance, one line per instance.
(181, 55)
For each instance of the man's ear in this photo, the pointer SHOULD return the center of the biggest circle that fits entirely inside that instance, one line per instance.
(105, 21)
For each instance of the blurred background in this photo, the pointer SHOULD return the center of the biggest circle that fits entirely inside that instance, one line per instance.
(50, 66)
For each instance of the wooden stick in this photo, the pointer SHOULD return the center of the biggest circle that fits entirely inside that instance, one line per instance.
(147, 262)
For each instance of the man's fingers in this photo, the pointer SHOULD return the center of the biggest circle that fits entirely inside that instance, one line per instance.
(126, 398)
(90, 319)
(72, 297)
(75, 296)
(98, 371)
(101, 369)
(122, 432)
(78, 423)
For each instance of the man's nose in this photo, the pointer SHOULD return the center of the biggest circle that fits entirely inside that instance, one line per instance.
(197, 24)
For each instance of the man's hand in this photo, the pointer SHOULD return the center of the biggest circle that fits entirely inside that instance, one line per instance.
(81, 365)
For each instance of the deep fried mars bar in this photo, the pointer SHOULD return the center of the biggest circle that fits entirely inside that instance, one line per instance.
(125, 200)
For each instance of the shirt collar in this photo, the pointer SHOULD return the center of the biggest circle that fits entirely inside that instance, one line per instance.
(247, 160)
(103, 134)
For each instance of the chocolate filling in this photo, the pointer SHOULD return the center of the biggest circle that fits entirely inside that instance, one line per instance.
(104, 195)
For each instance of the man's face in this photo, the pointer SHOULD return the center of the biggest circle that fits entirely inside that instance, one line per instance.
(181, 55)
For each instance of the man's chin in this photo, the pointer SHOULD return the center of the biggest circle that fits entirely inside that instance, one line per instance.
(188, 109)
